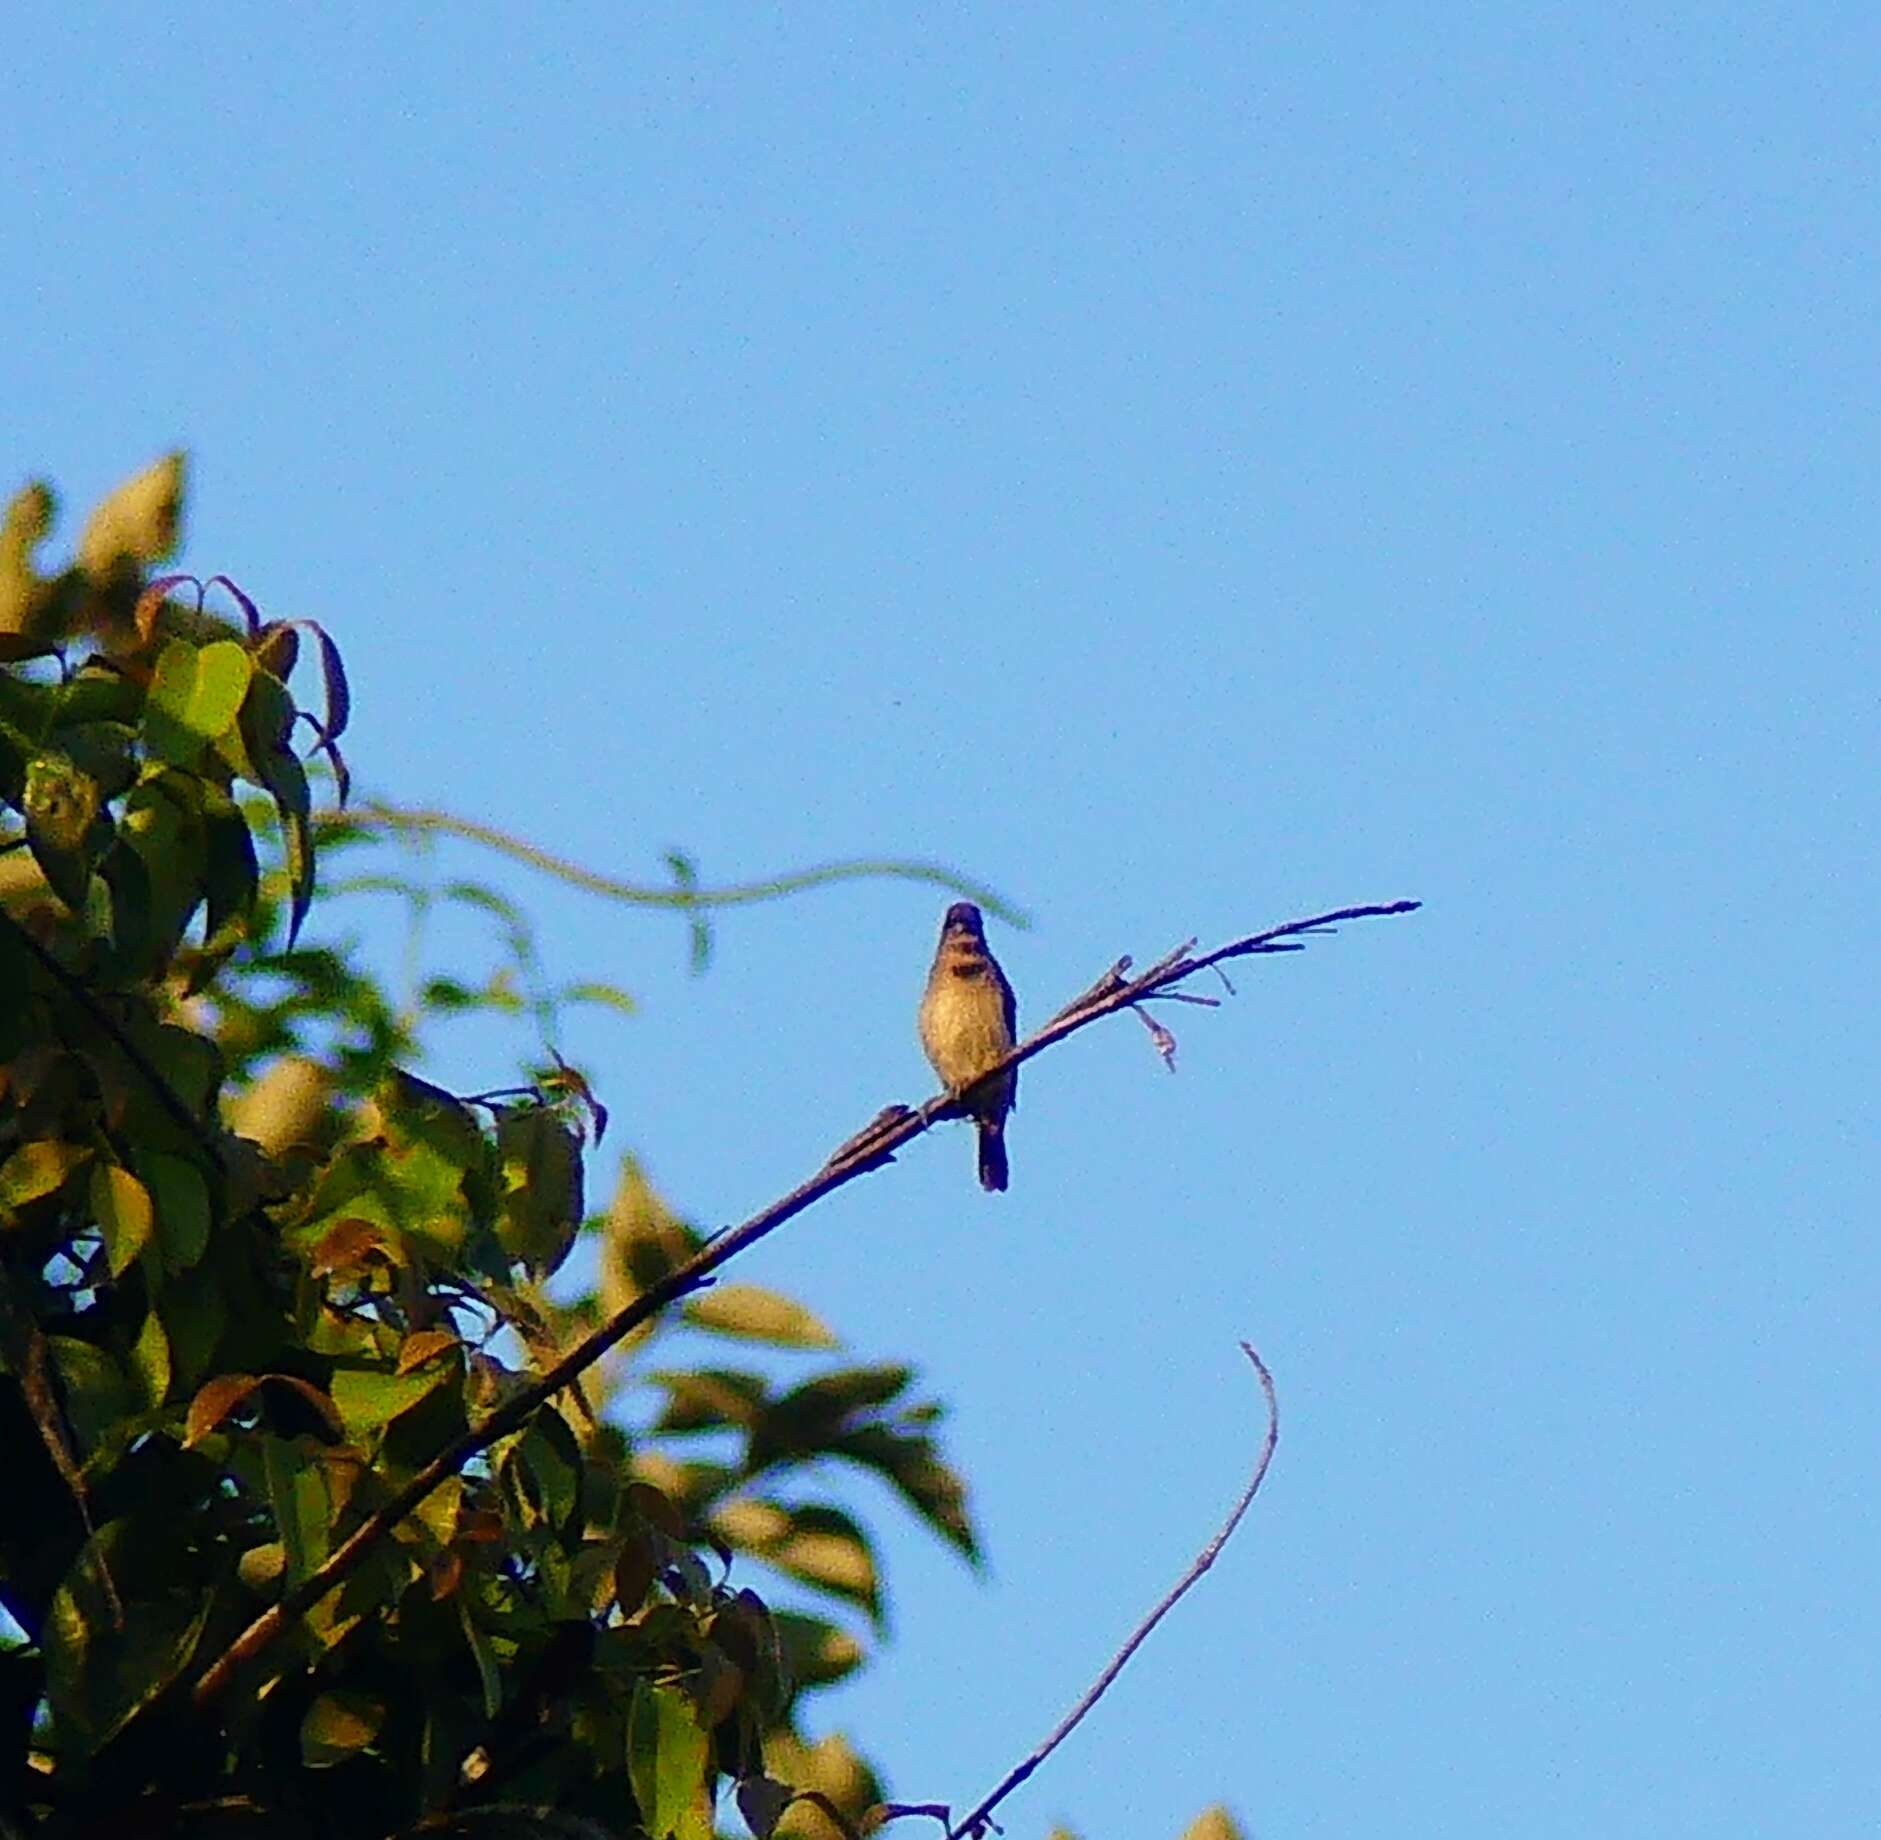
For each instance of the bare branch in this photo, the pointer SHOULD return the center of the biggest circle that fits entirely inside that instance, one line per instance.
(884, 1812)
(979, 1822)
(869, 1149)
(1113, 980)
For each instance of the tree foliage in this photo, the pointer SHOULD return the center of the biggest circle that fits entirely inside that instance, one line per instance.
(254, 1272)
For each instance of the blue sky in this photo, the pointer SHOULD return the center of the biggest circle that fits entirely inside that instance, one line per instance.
(1188, 468)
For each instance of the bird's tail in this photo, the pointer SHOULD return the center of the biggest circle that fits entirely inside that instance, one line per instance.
(993, 1153)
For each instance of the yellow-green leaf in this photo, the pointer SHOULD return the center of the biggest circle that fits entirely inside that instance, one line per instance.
(820, 1546)
(368, 1399)
(337, 1726)
(150, 1360)
(61, 808)
(667, 1763)
(38, 1169)
(124, 1212)
(195, 696)
(760, 1315)
(815, 1652)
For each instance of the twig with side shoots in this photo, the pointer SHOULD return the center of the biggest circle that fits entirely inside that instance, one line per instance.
(977, 1824)
(869, 1149)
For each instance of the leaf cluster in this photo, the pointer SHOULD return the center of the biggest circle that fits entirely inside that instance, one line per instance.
(255, 1274)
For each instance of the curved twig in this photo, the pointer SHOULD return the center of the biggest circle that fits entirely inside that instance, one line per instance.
(975, 1825)
(732, 894)
(871, 1147)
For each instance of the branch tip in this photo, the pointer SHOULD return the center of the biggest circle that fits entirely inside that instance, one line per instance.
(980, 1819)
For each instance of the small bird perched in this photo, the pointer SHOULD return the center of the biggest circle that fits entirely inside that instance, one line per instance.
(967, 1021)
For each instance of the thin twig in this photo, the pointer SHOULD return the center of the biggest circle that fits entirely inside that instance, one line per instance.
(733, 894)
(166, 1095)
(869, 1149)
(976, 1824)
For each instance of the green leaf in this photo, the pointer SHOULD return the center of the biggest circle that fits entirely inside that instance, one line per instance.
(484, 1656)
(101, 749)
(150, 1360)
(36, 1170)
(297, 1491)
(668, 1764)
(261, 729)
(449, 996)
(125, 1214)
(338, 1726)
(910, 1462)
(182, 1199)
(61, 806)
(195, 698)
(818, 1545)
(551, 1457)
(124, 874)
(258, 749)
(162, 823)
(96, 1396)
(416, 1113)
(698, 927)
(815, 1653)
(194, 1318)
(606, 996)
(541, 1204)
(413, 1179)
(99, 692)
(759, 1315)
(191, 1065)
(369, 1399)
(231, 881)
(106, 1655)
(807, 1419)
(702, 1399)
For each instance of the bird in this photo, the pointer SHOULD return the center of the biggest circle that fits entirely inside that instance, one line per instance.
(968, 1020)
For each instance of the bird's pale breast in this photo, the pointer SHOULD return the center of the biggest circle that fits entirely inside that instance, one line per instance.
(963, 1026)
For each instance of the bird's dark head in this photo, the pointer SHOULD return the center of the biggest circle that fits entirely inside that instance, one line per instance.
(964, 917)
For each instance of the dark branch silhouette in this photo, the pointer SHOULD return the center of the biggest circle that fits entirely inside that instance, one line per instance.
(165, 1095)
(869, 1149)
